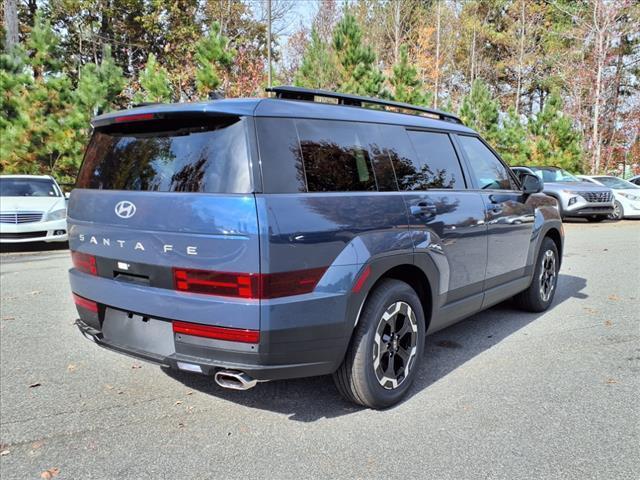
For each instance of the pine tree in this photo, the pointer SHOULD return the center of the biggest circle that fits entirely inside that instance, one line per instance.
(212, 55)
(318, 66)
(513, 144)
(480, 112)
(356, 62)
(154, 83)
(554, 141)
(407, 87)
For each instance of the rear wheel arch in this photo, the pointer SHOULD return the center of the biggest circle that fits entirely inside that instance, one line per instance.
(412, 275)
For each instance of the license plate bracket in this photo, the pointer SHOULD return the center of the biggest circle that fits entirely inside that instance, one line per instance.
(136, 332)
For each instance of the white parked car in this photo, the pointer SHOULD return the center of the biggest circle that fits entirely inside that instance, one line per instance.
(626, 195)
(32, 209)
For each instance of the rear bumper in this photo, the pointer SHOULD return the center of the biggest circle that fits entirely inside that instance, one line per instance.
(206, 356)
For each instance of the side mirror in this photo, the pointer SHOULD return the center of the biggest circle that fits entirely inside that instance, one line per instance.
(531, 184)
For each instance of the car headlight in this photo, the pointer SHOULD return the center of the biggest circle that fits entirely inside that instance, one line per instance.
(57, 214)
(570, 192)
(629, 196)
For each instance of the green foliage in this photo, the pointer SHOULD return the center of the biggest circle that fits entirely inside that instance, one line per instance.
(318, 67)
(513, 144)
(212, 55)
(154, 83)
(356, 62)
(553, 140)
(407, 87)
(480, 112)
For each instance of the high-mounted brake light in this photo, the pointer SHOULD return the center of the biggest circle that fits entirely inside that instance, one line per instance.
(84, 303)
(84, 262)
(134, 118)
(247, 285)
(219, 333)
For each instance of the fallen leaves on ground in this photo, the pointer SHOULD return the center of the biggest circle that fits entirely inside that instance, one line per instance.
(50, 473)
(34, 385)
(72, 367)
(608, 323)
(8, 318)
(448, 344)
(178, 402)
(4, 452)
(135, 366)
(35, 292)
(37, 445)
(589, 310)
(611, 381)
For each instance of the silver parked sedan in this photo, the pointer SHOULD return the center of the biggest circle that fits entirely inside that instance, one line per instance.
(576, 198)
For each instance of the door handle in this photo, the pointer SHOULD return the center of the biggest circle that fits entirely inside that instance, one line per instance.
(423, 208)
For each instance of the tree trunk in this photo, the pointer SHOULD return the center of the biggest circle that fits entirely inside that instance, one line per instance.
(595, 133)
(520, 58)
(11, 24)
(396, 30)
(437, 81)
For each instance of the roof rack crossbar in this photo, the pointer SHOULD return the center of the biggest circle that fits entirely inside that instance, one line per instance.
(310, 94)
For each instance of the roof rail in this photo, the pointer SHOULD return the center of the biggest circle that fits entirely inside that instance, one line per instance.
(310, 95)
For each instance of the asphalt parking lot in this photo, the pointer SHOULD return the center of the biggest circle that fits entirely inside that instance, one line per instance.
(503, 394)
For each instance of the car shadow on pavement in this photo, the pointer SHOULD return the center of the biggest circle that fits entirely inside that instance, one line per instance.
(310, 399)
(32, 247)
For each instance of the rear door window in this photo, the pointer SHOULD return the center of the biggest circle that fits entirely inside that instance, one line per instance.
(436, 164)
(182, 155)
(323, 156)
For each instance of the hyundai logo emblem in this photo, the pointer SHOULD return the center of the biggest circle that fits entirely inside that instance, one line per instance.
(125, 209)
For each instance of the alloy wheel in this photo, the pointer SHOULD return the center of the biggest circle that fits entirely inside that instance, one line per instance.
(395, 345)
(617, 212)
(547, 275)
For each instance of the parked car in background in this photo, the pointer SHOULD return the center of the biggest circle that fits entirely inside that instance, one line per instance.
(32, 209)
(576, 197)
(262, 239)
(635, 180)
(627, 195)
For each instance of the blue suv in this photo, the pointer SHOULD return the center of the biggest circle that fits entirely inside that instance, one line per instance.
(308, 234)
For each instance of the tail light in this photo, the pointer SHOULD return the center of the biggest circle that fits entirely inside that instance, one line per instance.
(84, 262)
(247, 285)
(219, 333)
(84, 303)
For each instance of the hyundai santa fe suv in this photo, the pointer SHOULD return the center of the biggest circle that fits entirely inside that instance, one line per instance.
(306, 234)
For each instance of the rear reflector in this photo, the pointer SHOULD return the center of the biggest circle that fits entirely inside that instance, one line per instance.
(134, 118)
(84, 262)
(363, 278)
(247, 285)
(219, 333)
(84, 303)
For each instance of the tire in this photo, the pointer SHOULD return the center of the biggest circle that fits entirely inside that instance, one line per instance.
(618, 211)
(596, 218)
(539, 296)
(365, 375)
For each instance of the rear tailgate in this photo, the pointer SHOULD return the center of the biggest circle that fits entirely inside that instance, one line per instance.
(164, 197)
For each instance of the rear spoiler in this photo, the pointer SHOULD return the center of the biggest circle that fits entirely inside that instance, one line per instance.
(132, 116)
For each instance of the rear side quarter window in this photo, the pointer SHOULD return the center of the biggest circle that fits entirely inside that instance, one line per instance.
(436, 164)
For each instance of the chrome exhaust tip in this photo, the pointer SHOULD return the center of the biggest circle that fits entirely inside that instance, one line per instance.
(234, 380)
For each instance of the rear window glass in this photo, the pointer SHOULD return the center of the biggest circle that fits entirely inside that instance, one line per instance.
(181, 155)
